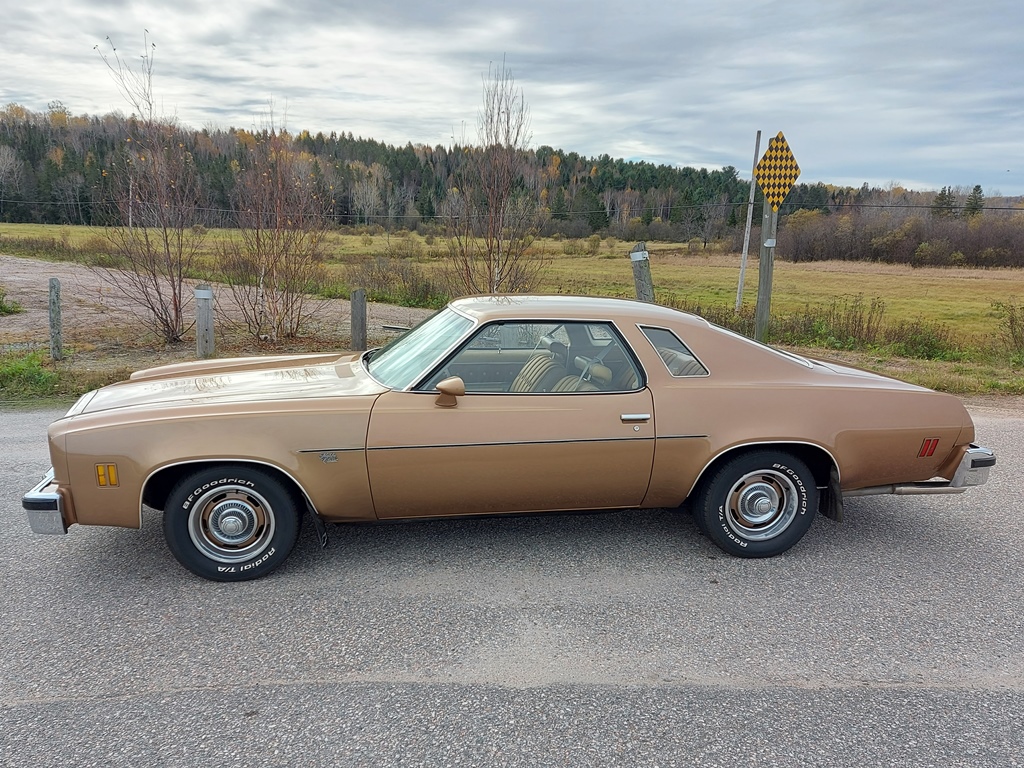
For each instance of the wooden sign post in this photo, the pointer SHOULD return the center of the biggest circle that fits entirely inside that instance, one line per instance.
(775, 174)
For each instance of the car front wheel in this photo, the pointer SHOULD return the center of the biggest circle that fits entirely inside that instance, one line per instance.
(231, 523)
(758, 504)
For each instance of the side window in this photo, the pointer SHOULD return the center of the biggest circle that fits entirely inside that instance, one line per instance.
(676, 356)
(610, 362)
(539, 357)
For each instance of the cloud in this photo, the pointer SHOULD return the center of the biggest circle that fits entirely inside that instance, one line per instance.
(864, 90)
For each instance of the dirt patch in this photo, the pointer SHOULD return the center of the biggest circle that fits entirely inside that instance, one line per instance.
(103, 330)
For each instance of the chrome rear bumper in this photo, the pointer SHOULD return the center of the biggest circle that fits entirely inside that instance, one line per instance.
(45, 507)
(973, 470)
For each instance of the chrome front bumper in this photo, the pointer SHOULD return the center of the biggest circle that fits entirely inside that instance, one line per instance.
(45, 507)
(973, 470)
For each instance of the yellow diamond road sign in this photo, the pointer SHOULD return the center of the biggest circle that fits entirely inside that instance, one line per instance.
(777, 171)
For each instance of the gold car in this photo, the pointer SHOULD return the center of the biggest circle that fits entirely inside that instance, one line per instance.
(499, 405)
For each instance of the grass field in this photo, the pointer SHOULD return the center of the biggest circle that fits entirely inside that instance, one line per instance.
(960, 305)
(961, 298)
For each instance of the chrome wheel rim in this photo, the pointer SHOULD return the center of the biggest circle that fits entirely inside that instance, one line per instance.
(761, 505)
(231, 524)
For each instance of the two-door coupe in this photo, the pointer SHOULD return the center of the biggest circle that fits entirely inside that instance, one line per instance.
(499, 405)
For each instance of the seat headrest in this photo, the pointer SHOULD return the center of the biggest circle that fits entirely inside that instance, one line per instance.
(556, 348)
(589, 366)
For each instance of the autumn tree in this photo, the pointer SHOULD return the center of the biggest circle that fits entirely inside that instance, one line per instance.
(492, 217)
(156, 200)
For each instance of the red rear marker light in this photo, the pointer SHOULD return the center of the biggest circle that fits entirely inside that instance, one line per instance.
(928, 447)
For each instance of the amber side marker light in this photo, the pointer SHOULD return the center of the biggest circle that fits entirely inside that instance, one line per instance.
(106, 475)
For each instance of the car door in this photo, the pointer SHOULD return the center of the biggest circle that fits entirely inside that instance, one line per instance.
(589, 447)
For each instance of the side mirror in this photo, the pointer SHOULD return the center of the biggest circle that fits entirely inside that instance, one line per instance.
(451, 388)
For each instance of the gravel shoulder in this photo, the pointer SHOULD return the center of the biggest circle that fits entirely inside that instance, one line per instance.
(98, 317)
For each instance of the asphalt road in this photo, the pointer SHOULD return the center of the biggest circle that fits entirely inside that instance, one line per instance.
(896, 638)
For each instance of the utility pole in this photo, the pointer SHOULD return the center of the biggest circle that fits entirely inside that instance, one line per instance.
(750, 218)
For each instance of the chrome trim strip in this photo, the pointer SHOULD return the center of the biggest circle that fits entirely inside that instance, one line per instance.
(508, 443)
(433, 393)
(328, 450)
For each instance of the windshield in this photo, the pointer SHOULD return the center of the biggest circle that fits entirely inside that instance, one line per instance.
(408, 357)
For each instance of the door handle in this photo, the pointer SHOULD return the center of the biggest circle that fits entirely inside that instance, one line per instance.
(634, 418)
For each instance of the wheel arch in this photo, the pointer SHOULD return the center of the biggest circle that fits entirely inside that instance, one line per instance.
(158, 485)
(818, 459)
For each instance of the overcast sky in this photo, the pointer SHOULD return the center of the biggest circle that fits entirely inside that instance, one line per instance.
(924, 93)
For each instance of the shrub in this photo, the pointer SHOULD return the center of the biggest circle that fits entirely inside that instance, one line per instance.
(573, 247)
(404, 248)
(24, 376)
(922, 339)
(397, 281)
(8, 306)
(1011, 327)
(846, 323)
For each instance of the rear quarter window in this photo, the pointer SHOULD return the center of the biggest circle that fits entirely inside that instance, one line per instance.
(676, 356)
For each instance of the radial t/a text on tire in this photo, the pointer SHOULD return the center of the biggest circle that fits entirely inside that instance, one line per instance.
(231, 522)
(758, 504)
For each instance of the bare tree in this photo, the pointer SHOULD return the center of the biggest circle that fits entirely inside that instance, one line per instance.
(157, 201)
(11, 173)
(713, 214)
(492, 217)
(68, 191)
(277, 260)
(369, 189)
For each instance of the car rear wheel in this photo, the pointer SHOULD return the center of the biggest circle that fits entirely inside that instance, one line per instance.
(758, 504)
(231, 523)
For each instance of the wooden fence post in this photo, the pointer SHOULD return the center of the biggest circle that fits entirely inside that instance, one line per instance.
(56, 322)
(642, 273)
(204, 321)
(358, 317)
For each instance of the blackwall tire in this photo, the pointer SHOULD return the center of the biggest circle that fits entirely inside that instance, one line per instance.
(231, 523)
(758, 504)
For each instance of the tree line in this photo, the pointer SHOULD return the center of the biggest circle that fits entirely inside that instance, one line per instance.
(56, 167)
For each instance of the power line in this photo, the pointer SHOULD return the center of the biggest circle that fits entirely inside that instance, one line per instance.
(793, 207)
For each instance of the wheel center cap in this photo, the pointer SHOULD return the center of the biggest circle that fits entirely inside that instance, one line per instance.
(232, 524)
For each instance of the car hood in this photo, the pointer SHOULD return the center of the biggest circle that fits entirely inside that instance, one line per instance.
(238, 380)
